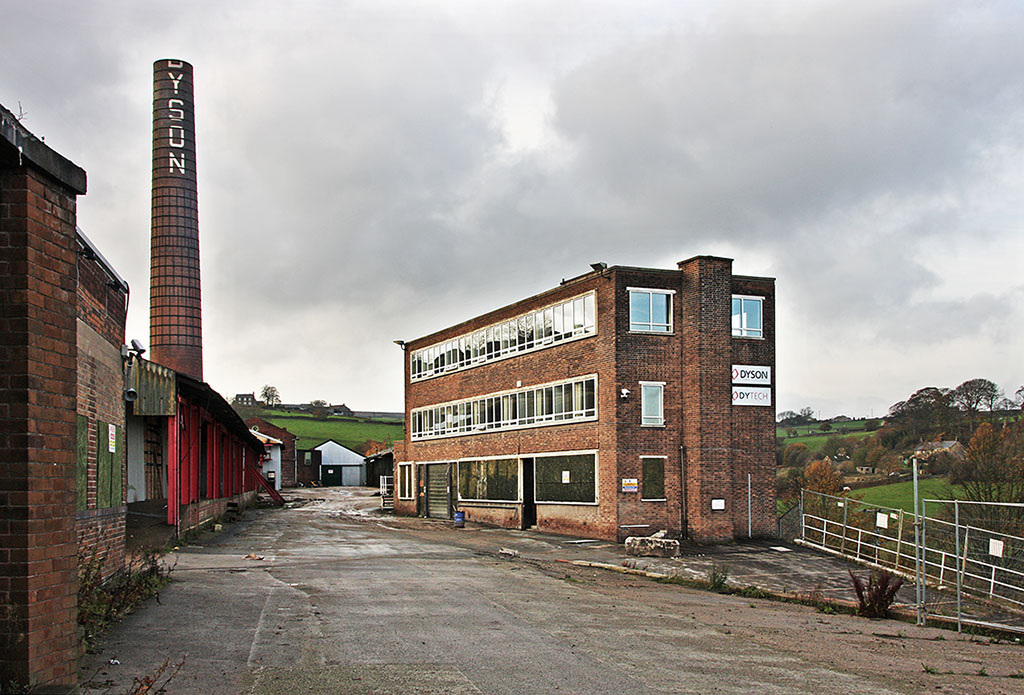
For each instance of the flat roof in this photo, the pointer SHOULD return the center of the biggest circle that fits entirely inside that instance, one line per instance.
(29, 147)
(580, 278)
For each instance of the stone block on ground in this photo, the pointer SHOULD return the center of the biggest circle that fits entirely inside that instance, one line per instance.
(652, 546)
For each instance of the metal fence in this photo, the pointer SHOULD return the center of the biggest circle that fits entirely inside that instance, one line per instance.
(973, 570)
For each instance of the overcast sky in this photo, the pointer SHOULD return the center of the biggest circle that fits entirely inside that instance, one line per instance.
(378, 170)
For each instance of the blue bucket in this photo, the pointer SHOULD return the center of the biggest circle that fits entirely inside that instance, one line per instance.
(460, 519)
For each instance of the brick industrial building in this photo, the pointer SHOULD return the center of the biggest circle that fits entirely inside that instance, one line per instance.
(622, 402)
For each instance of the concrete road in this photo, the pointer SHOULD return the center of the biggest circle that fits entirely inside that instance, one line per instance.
(341, 600)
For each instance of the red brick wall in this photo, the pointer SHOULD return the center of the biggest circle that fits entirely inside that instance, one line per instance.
(707, 397)
(38, 630)
(648, 357)
(206, 510)
(102, 308)
(753, 428)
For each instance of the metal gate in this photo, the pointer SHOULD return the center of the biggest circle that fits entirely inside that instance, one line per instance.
(963, 567)
(438, 490)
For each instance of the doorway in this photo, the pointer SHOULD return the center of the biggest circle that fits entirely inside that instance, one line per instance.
(438, 491)
(529, 516)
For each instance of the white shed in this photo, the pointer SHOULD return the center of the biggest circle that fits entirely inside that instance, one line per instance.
(271, 464)
(340, 465)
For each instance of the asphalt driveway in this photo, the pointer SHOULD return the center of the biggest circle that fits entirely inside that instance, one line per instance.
(328, 597)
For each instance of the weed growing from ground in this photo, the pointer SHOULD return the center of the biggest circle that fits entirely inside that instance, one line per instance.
(718, 578)
(102, 602)
(875, 597)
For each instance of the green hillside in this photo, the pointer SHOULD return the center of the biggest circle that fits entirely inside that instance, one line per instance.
(901, 495)
(350, 432)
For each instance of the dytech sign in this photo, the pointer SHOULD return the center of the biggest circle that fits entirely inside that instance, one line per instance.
(750, 374)
(751, 395)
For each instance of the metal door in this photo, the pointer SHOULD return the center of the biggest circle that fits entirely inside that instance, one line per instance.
(438, 506)
(351, 475)
(330, 475)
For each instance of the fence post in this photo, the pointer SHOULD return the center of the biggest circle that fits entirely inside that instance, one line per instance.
(899, 541)
(917, 550)
(956, 529)
(842, 546)
(924, 560)
(802, 536)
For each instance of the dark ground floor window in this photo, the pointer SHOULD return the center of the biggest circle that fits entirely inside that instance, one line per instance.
(497, 479)
(566, 478)
(654, 478)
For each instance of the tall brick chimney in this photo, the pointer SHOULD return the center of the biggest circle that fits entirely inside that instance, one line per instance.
(175, 323)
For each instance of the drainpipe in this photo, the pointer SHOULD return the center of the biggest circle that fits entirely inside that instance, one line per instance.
(682, 486)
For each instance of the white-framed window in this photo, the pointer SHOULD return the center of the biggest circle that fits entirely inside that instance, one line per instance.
(747, 316)
(554, 403)
(652, 481)
(652, 403)
(405, 481)
(567, 320)
(650, 310)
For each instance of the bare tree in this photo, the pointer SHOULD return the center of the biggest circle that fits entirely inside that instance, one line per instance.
(269, 395)
(973, 396)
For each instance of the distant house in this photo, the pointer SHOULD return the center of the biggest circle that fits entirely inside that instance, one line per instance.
(272, 461)
(245, 399)
(930, 449)
(291, 473)
(341, 410)
(340, 465)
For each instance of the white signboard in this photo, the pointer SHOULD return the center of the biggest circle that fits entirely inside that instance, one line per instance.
(882, 520)
(995, 547)
(751, 395)
(565, 476)
(630, 484)
(717, 504)
(112, 438)
(751, 374)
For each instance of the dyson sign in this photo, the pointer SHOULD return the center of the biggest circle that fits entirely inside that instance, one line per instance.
(751, 385)
(177, 155)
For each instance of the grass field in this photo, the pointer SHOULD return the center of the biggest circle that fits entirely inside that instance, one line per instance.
(346, 431)
(814, 442)
(901, 495)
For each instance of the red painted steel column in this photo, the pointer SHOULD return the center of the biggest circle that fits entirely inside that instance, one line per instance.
(173, 467)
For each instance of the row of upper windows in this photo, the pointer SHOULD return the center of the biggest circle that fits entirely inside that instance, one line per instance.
(650, 311)
(566, 320)
(548, 404)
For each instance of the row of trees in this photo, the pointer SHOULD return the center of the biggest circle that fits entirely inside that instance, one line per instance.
(952, 413)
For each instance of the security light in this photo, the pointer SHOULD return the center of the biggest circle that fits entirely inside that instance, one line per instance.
(624, 393)
(598, 267)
